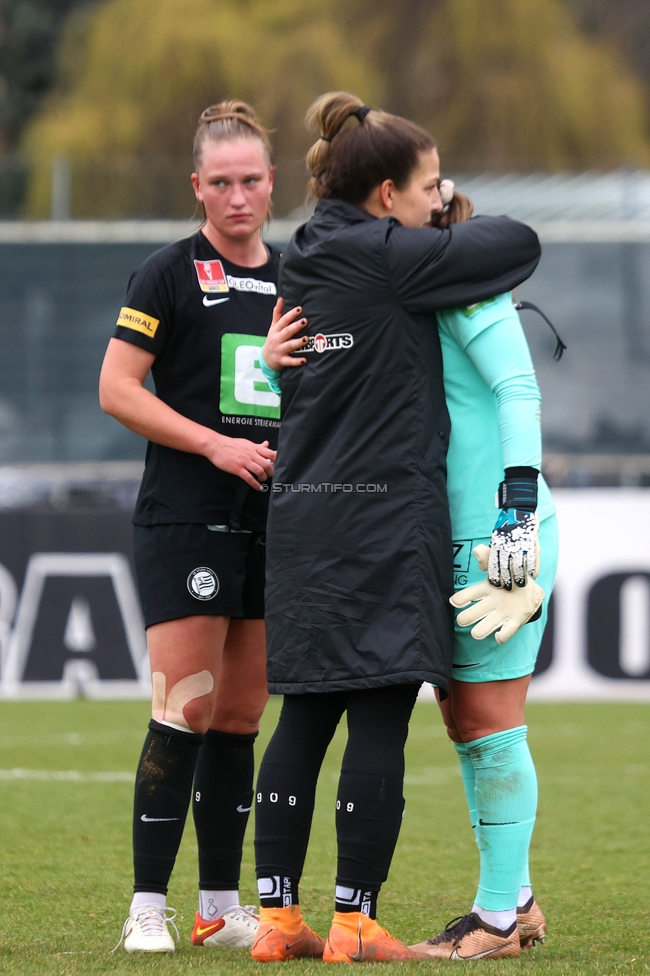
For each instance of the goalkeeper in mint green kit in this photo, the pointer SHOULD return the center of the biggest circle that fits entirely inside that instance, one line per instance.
(495, 446)
(493, 400)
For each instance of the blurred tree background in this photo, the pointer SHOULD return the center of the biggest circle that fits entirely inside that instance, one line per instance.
(115, 86)
(29, 34)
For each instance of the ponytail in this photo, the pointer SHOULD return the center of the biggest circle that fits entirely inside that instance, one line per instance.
(348, 162)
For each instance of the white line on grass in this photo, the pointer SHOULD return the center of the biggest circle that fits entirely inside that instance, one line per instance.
(69, 739)
(67, 775)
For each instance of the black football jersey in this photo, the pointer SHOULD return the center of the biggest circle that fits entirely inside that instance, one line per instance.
(205, 320)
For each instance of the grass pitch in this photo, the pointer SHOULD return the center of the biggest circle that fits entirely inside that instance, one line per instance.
(65, 821)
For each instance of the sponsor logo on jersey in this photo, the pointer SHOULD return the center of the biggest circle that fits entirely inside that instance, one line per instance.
(212, 277)
(253, 285)
(130, 318)
(326, 343)
(462, 555)
(203, 583)
(245, 391)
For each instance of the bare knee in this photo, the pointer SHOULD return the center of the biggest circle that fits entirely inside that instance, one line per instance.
(198, 715)
(479, 727)
(238, 718)
(235, 726)
(485, 708)
(454, 734)
(469, 726)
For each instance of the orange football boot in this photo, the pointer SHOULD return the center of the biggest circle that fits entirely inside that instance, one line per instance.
(355, 937)
(284, 935)
(531, 924)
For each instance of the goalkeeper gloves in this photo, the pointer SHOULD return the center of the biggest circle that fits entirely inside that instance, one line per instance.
(514, 551)
(496, 608)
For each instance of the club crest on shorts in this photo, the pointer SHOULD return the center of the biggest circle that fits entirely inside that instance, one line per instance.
(203, 583)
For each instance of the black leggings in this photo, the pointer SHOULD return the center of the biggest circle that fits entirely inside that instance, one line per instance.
(369, 805)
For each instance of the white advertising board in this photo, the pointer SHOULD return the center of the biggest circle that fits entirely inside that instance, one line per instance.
(71, 622)
(597, 641)
(597, 644)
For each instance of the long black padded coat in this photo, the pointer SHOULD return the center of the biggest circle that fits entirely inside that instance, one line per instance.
(359, 558)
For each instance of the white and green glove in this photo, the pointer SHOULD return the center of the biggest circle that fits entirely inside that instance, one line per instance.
(496, 610)
(514, 549)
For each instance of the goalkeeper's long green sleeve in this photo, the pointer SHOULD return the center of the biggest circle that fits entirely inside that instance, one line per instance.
(500, 354)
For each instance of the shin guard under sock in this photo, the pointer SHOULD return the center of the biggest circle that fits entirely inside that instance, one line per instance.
(163, 787)
(506, 802)
(370, 804)
(369, 810)
(221, 802)
(286, 783)
(469, 779)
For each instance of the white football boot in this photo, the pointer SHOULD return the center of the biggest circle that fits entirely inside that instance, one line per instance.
(236, 928)
(145, 930)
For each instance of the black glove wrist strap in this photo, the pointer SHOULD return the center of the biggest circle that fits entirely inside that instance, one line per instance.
(519, 489)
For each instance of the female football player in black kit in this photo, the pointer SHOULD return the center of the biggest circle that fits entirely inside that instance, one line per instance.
(195, 315)
(359, 563)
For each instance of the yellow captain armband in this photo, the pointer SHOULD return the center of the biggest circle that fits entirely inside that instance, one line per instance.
(130, 318)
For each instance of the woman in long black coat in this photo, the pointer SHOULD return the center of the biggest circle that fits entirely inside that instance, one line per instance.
(359, 559)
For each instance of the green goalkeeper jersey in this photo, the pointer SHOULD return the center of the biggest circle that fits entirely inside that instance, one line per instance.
(493, 401)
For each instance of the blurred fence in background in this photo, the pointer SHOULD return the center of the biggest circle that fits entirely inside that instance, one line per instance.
(158, 187)
(124, 187)
(62, 283)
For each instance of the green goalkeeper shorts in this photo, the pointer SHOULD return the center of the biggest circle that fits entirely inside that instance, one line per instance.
(485, 660)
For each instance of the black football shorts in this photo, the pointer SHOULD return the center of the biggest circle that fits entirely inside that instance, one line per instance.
(185, 569)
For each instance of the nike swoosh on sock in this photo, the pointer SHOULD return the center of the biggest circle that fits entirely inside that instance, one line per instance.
(146, 819)
(506, 823)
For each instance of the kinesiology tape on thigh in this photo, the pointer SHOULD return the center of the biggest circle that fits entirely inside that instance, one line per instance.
(168, 708)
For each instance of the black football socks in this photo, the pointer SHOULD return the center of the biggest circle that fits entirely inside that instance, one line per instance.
(369, 805)
(163, 786)
(221, 802)
(356, 900)
(285, 792)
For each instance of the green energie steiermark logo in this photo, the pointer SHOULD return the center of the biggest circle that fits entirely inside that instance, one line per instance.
(244, 389)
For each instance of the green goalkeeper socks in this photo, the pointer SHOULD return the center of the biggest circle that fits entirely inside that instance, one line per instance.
(505, 794)
(469, 779)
